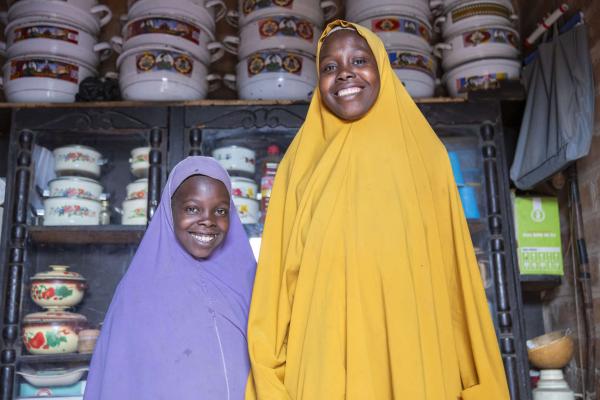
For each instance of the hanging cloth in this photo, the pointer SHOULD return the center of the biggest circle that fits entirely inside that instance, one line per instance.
(367, 286)
(558, 120)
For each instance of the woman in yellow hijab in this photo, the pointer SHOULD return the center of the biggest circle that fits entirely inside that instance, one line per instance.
(367, 284)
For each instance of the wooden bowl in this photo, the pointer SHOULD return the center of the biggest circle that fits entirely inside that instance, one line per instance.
(551, 351)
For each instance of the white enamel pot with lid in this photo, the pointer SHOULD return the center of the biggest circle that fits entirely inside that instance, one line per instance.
(202, 11)
(474, 44)
(161, 73)
(359, 10)
(77, 160)
(45, 35)
(416, 69)
(314, 10)
(400, 31)
(479, 75)
(57, 288)
(134, 212)
(137, 189)
(475, 13)
(73, 211)
(91, 19)
(85, 5)
(75, 186)
(52, 332)
(179, 32)
(43, 78)
(277, 31)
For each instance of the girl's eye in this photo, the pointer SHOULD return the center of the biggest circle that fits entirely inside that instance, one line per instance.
(329, 68)
(360, 61)
(191, 210)
(222, 212)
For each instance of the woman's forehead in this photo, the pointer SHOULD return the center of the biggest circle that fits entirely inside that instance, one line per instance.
(347, 37)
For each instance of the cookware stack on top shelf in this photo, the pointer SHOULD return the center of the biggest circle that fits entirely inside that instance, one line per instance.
(276, 47)
(135, 205)
(74, 198)
(405, 29)
(51, 46)
(480, 45)
(166, 48)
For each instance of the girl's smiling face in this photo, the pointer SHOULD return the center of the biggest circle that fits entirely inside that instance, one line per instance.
(348, 75)
(200, 207)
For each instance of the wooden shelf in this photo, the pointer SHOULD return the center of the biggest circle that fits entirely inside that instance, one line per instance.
(55, 358)
(106, 234)
(534, 283)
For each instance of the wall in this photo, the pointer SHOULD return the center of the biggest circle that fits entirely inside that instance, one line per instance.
(560, 303)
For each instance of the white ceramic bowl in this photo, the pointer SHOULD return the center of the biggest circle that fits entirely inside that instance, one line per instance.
(282, 31)
(77, 160)
(75, 186)
(247, 209)
(42, 78)
(57, 288)
(53, 377)
(59, 211)
(274, 75)
(478, 75)
(162, 73)
(416, 69)
(475, 44)
(52, 332)
(140, 161)
(243, 187)
(400, 31)
(474, 13)
(39, 35)
(83, 4)
(359, 10)
(134, 212)
(202, 11)
(314, 10)
(91, 19)
(236, 158)
(182, 33)
(137, 189)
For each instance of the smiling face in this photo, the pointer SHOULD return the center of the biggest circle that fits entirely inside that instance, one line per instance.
(348, 75)
(200, 207)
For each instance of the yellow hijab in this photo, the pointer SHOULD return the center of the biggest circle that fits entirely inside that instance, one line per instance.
(367, 284)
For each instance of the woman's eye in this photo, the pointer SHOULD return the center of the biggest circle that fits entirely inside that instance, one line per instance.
(191, 210)
(329, 68)
(360, 61)
(222, 212)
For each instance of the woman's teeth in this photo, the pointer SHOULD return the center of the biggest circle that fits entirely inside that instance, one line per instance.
(348, 91)
(204, 239)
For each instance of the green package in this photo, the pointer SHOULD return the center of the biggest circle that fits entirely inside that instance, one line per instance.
(537, 226)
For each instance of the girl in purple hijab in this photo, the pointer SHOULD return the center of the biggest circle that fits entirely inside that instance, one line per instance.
(176, 327)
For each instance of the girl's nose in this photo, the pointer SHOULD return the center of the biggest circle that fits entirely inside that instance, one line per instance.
(345, 73)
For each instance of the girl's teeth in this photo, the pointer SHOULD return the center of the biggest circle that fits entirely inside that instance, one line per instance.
(203, 238)
(349, 91)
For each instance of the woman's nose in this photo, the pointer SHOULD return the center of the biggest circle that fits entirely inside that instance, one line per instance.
(345, 73)
(206, 219)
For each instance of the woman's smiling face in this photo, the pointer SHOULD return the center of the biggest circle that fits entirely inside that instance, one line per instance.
(200, 207)
(348, 75)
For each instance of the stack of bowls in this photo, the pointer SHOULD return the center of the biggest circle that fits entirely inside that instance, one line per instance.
(51, 46)
(55, 330)
(74, 197)
(404, 28)
(165, 49)
(276, 47)
(480, 45)
(240, 163)
(135, 205)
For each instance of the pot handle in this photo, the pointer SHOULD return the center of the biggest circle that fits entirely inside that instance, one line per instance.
(220, 8)
(438, 49)
(117, 44)
(233, 18)
(105, 49)
(513, 17)
(230, 81)
(231, 44)
(4, 18)
(102, 161)
(216, 51)
(214, 82)
(3, 49)
(330, 8)
(99, 9)
(438, 23)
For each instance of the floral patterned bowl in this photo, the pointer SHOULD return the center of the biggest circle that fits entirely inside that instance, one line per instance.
(57, 288)
(52, 332)
(71, 211)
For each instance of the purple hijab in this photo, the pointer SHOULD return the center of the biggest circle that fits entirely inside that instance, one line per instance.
(176, 327)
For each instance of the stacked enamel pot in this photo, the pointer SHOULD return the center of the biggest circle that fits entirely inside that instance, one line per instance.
(404, 28)
(480, 45)
(276, 47)
(166, 48)
(135, 205)
(51, 46)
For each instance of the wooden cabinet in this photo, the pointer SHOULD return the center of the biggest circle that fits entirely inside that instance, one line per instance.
(102, 253)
